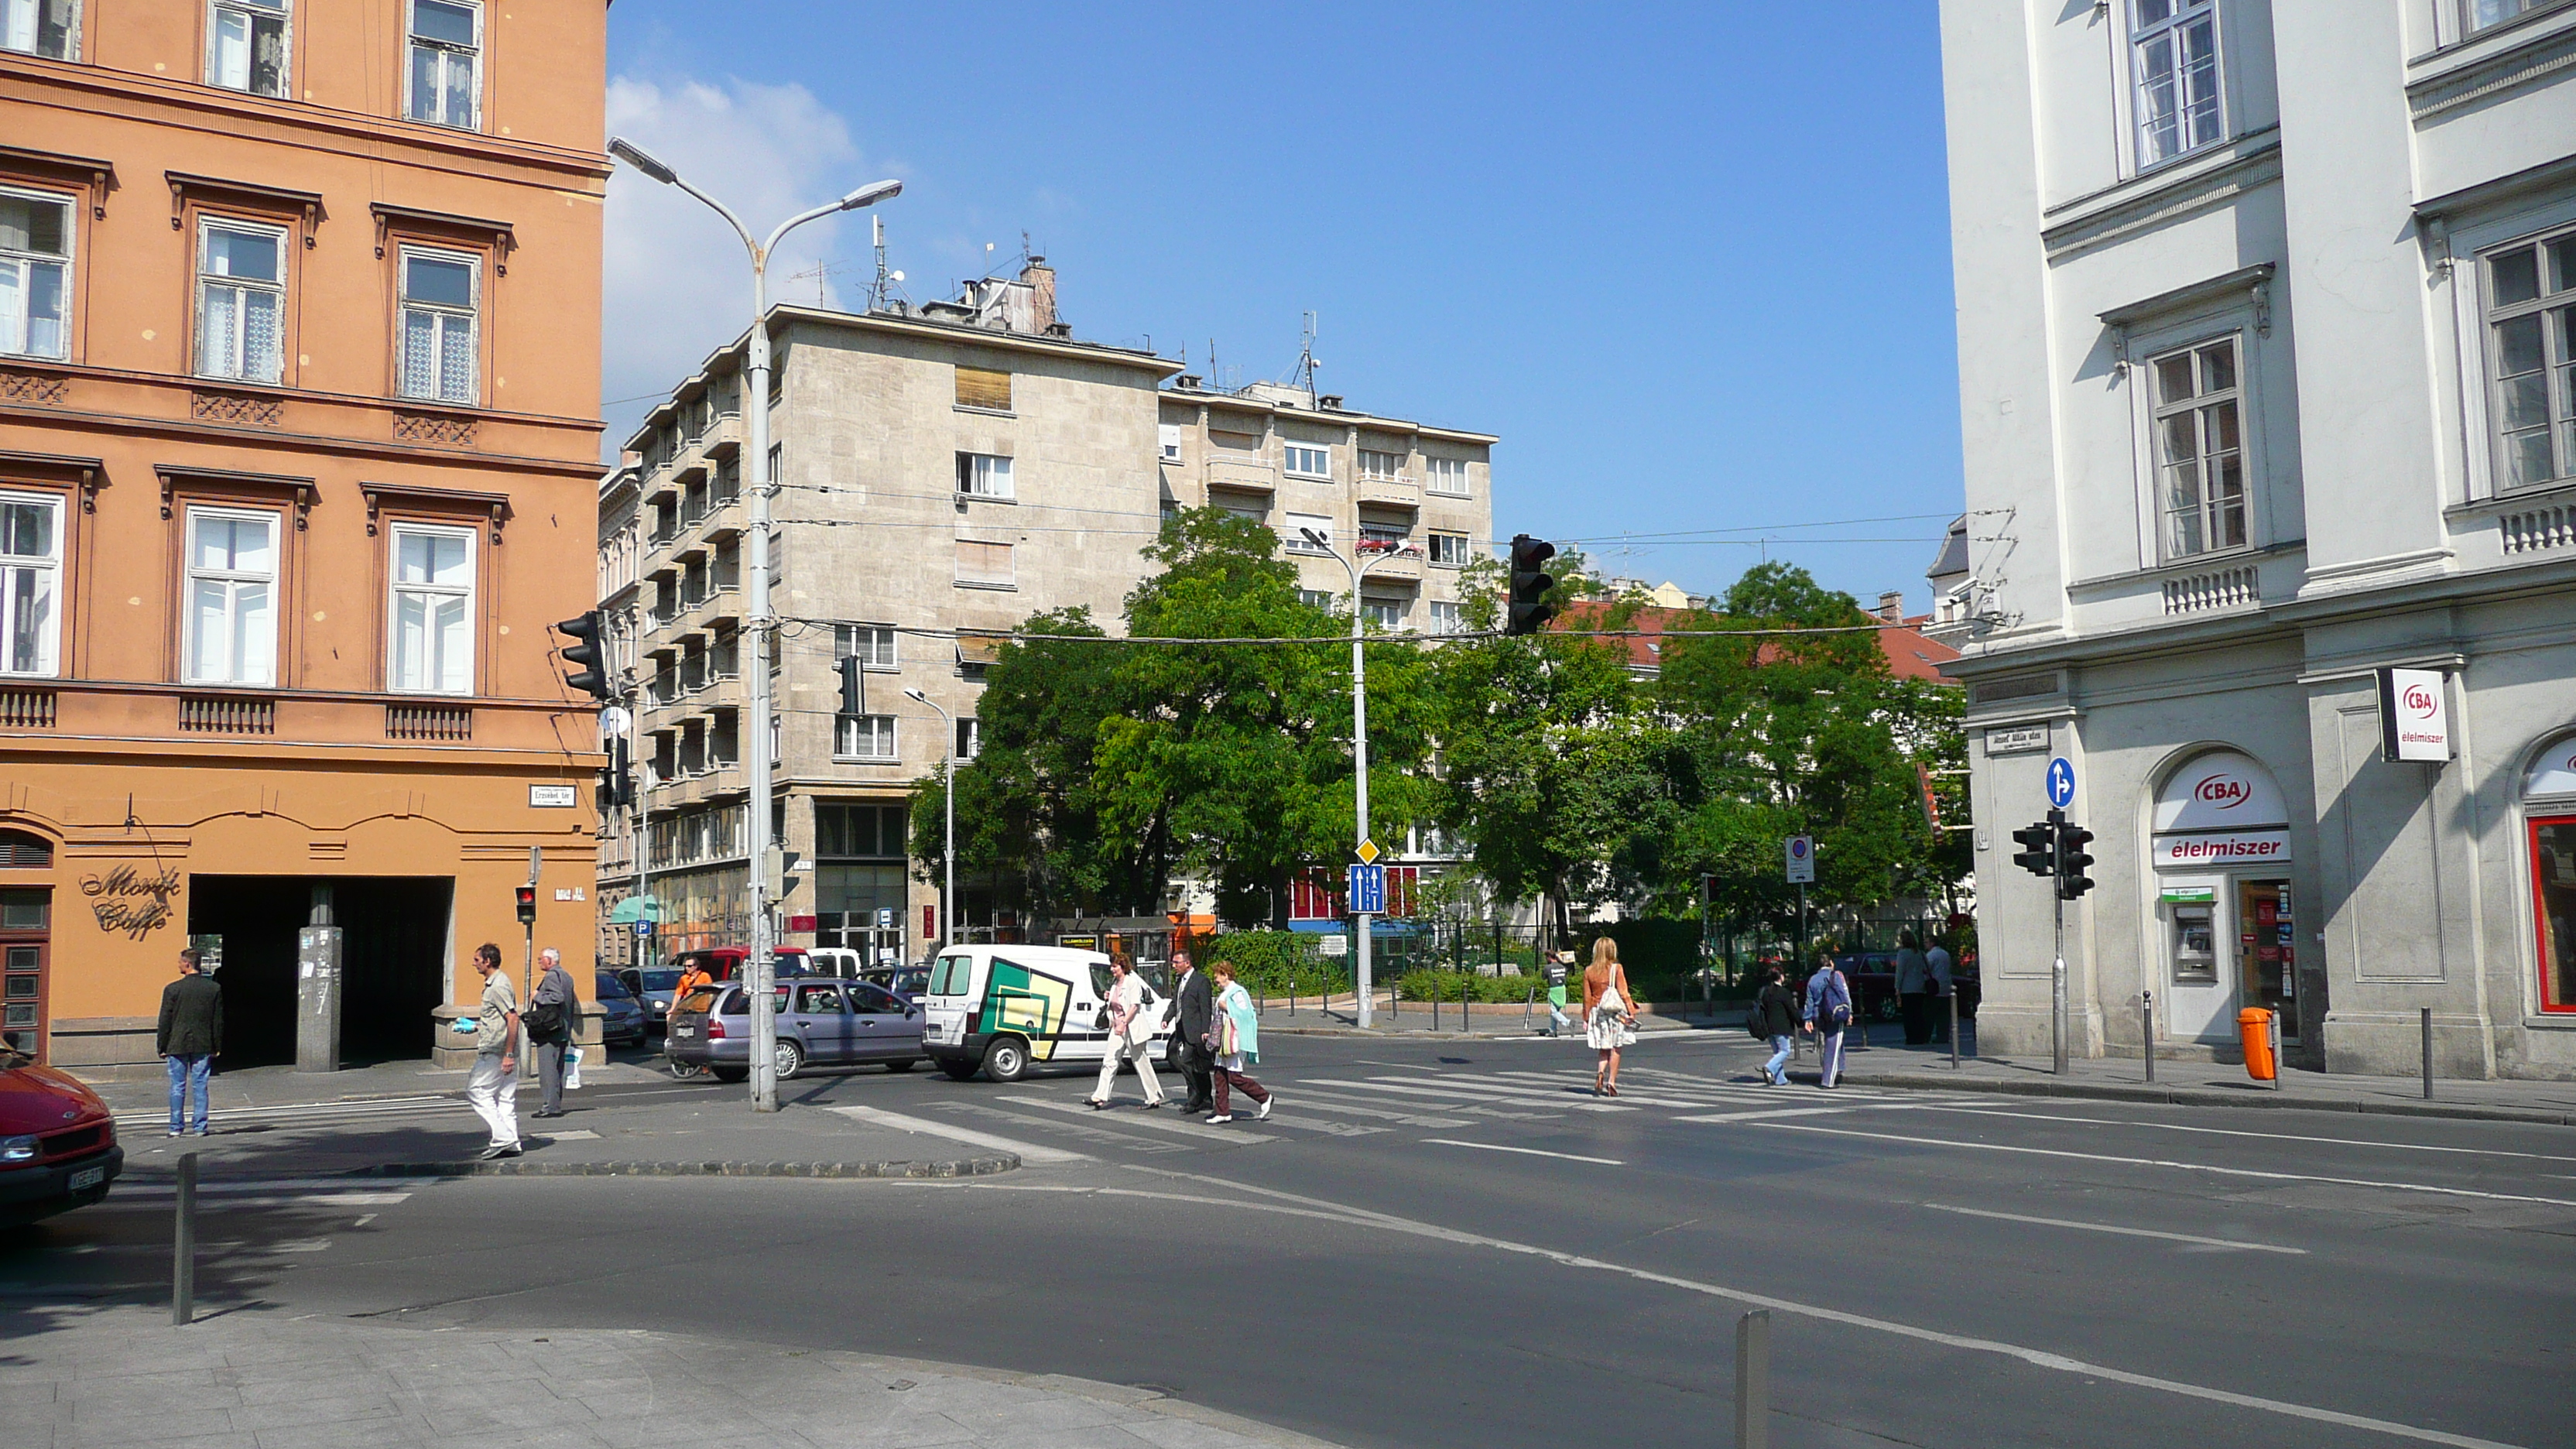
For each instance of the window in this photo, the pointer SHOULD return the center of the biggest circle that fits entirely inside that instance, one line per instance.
(31, 563)
(39, 27)
(859, 831)
(970, 736)
(1387, 614)
(1449, 549)
(2174, 50)
(981, 475)
(2485, 14)
(985, 565)
(1301, 524)
(432, 649)
(446, 55)
(982, 387)
(871, 644)
(241, 300)
(2199, 451)
(864, 737)
(438, 353)
(1171, 436)
(1308, 462)
(1324, 599)
(1253, 509)
(1445, 618)
(232, 584)
(1381, 467)
(246, 46)
(1445, 476)
(2531, 324)
(35, 273)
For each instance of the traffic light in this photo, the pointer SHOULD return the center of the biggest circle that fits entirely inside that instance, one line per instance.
(583, 655)
(2071, 860)
(2039, 849)
(1529, 609)
(527, 904)
(617, 782)
(854, 686)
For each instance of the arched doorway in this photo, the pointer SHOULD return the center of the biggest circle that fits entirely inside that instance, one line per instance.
(2549, 814)
(2221, 855)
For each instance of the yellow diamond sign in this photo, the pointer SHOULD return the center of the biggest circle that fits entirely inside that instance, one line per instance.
(1368, 852)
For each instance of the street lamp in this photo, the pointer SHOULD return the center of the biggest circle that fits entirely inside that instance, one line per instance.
(1318, 543)
(755, 405)
(948, 803)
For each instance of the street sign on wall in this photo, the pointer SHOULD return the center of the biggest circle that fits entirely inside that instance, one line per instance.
(1802, 860)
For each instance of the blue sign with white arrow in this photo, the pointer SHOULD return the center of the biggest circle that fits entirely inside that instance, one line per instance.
(2061, 782)
(1368, 890)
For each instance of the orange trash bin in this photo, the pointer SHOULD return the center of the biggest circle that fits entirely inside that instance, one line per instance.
(2254, 1028)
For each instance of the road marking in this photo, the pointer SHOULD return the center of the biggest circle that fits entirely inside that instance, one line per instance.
(1515, 1097)
(1523, 1151)
(1805, 1112)
(1027, 1151)
(1115, 1120)
(1449, 1101)
(155, 1200)
(1307, 1093)
(1084, 1130)
(2241, 1132)
(2037, 1358)
(2181, 1166)
(573, 1134)
(2124, 1232)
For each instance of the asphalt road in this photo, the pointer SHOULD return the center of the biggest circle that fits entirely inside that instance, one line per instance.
(1456, 1244)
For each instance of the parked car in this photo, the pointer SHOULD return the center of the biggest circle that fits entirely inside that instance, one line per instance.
(822, 1022)
(57, 1143)
(1872, 975)
(621, 1016)
(652, 990)
(1002, 1010)
(725, 963)
(909, 982)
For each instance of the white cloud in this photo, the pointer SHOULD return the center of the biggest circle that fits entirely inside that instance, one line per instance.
(678, 281)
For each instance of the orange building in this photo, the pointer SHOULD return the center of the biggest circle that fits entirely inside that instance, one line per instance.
(299, 411)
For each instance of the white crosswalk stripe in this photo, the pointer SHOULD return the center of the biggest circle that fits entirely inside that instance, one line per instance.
(1450, 1090)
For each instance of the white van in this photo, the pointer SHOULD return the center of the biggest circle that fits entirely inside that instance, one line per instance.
(1001, 1010)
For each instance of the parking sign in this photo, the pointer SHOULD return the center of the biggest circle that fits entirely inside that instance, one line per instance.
(1802, 860)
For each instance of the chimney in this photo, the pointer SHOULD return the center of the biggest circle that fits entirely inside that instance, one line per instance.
(1041, 280)
(1891, 606)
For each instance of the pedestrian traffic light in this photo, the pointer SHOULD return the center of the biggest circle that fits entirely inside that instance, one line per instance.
(2039, 849)
(1529, 609)
(2071, 860)
(527, 904)
(617, 782)
(582, 654)
(854, 686)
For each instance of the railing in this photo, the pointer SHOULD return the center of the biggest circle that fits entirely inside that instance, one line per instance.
(2222, 589)
(220, 714)
(665, 689)
(2538, 528)
(451, 722)
(693, 673)
(26, 709)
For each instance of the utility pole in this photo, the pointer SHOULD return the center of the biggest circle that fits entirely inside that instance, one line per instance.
(1364, 989)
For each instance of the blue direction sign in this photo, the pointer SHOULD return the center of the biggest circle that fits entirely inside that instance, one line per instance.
(2061, 782)
(1368, 890)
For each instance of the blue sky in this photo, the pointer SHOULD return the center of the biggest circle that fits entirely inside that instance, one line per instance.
(1690, 262)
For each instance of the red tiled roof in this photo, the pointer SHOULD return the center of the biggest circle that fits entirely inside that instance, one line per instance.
(1910, 655)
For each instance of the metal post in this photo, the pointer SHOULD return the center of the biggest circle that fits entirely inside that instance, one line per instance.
(1954, 1024)
(1435, 1008)
(2428, 1056)
(948, 820)
(2272, 1033)
(1527, 1006)
(2057, 989)
(183, 1246)
(1464, 1022)
(2147, 1028)
(1753, 1380)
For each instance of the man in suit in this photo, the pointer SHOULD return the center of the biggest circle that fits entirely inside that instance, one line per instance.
(1197, 1007)
(190, 1035)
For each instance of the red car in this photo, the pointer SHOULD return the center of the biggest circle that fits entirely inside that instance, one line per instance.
(57, 1144)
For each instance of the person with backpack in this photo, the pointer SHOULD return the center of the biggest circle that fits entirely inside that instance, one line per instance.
(1131, 1035)
(1774, 1019)
(1828, 1012)
(554, 1011)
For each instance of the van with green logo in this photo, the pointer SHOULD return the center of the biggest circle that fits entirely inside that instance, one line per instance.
(1007, 1010)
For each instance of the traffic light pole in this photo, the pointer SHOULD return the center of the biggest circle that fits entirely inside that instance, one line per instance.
(1362, 986)
(2057, 983)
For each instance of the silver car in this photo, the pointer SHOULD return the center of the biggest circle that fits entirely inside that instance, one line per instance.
(821, 1023)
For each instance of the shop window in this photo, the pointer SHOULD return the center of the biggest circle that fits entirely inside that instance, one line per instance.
(2553, 899)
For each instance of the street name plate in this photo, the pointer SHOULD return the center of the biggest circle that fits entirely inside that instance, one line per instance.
(2017, 739)
(550, 797)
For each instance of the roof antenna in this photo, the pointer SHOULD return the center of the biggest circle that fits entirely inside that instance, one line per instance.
(886, 281)
(1306, 363)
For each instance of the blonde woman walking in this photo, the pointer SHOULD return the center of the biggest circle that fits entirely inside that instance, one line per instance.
(1609, 1014)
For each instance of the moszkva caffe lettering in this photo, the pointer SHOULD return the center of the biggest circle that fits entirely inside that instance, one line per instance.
(128, 901)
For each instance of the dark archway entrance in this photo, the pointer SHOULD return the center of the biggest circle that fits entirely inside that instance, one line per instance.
(393, 965)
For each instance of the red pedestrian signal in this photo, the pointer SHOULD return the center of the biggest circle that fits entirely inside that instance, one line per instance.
(527, 905)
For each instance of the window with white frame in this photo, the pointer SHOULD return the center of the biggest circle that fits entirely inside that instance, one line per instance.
(35, 274)
(241, 300)
(1449, 549)
(446, 62)
(985, 565)
(970, 736)
(50, 28)
(438, 317)
(1445, 476)
(873, 645)
(232, 597)
(431, 650)
(246, 45)
(2173, 55)
(31, 570)
(1387, 614)
(1377, 467)
(1301, 524)
(2488, 14)
(2199, 448)
(2531, 337)
(863, 737)
(1324, 599)
(982, 475)
(1446, 618)
(1171, 442)
(1306, 461)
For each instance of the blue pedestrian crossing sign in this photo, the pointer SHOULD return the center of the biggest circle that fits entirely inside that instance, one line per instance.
(1368, 890)
(2061, 782)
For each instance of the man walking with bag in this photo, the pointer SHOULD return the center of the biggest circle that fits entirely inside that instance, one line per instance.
(1196, 1003)
(191, 1033)
(1829, 1010)
(492, 1088)
(554, 1013)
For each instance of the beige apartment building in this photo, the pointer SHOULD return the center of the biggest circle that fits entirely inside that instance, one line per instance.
(944, 471)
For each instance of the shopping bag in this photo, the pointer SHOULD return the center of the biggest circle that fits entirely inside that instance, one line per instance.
(572, 1069)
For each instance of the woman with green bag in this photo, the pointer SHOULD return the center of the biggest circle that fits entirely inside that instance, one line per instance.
(1238, 1044)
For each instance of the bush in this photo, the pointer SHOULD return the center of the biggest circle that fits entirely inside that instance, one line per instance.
(1277, 963)
(1424, 985)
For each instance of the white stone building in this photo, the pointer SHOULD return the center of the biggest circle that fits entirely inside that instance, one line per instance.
(2266, 314)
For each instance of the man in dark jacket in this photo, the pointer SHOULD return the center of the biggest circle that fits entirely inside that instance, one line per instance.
(1197, 1007)
(552, 1017)
(191, 1033)
(1779, 1007)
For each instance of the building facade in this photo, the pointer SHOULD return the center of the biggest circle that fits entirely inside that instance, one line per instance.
(944, 472)
(2265, 317)
(298, 438)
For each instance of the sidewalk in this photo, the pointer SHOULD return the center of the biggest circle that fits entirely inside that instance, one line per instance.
(257, 1380)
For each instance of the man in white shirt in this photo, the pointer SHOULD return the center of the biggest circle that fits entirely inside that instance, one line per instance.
(493, 1086)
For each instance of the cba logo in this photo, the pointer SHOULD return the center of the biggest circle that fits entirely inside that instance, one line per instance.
(2224, 791)
(2419, 701)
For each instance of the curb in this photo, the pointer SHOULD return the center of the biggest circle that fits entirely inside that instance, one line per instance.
(521, 1167)
(2187, 1097)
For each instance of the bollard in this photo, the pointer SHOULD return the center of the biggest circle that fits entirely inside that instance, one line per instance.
(1464, 1022)
(1435, 1008)
(2272, 1030)
(1954, 1028)
(2428, 1053)
(2147, 1028)
(183, 1246)
(1394, 1001)
(1753, 1380)
(1527, 1007)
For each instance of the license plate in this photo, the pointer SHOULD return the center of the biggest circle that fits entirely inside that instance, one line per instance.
(88, 1177)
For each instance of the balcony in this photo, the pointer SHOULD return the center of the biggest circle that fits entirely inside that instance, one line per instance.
(1243, 477)
(1390, 557)
(723, 437)
(1391, 493)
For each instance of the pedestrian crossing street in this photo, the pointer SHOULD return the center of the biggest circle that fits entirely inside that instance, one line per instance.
(1499, 1109)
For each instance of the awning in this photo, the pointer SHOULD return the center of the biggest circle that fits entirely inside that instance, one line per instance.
(633, 908)
(976, 651)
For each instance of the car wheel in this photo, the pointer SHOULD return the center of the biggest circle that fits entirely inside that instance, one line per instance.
(1007, 1059)
(960, 1071)
(789, 1057)
(730, 1074)
(903, 1064)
